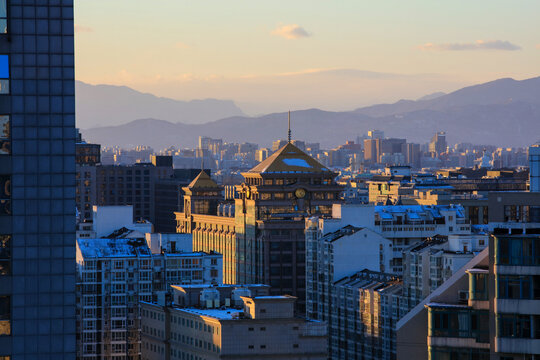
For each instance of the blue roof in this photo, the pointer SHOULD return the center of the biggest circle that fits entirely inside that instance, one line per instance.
(416, 212)
(103, 247)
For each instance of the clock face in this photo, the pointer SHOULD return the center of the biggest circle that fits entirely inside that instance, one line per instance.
(300, 193)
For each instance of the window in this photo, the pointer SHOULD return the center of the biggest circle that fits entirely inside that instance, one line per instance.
(516, 326)
(4, 73)
(518, 287)
(521, 251)
(5, 255)
(3, 17)
(5, 195)
(5, 137)
(5, 315)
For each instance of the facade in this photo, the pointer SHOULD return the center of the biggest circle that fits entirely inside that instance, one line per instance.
(114, 275)
(437, 146)
(335, 255)
(261, 327)
(262, 236)
(499, 319)
(427, 265)
(534, 168)
(37, 178)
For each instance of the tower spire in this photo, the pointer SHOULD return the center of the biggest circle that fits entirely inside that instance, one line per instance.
(289, 132)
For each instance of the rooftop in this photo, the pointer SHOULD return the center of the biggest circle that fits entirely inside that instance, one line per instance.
(344, 231)
(220, 314)
(203, 181)
(418, 212)
(103, 247)
(289, 159)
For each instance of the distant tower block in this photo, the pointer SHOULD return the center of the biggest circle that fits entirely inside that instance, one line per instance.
(534, 168)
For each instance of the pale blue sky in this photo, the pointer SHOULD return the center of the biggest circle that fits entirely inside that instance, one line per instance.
(233, 49)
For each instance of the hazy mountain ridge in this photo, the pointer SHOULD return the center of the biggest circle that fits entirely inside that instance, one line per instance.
(494, 92)
(103, 105)
(492, 120)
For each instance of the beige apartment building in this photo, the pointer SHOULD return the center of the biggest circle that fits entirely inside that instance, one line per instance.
(262, 327)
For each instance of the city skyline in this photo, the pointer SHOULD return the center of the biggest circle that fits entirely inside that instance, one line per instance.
(311, 54)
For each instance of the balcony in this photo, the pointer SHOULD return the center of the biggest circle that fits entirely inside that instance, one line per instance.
(517, 345)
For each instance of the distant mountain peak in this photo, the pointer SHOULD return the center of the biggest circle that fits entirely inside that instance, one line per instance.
(104, 105)
(431, 96)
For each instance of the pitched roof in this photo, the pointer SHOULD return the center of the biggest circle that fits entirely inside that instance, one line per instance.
(289, 159)
(203, 181)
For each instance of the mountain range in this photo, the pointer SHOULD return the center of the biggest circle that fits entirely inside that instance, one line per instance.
(107, 105)
(504, 112)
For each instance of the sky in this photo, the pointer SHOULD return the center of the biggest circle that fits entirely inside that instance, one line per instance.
(276, 55)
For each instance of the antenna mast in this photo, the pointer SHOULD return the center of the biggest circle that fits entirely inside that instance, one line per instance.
(289, 132)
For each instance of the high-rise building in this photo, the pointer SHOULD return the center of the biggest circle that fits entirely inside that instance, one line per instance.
(262, 240)
(114, 274)
(376, 134)
(487, 310)
(438, 144)
(534, 168)
(37, 180)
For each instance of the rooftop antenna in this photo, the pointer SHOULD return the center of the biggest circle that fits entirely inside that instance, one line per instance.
(289, 132)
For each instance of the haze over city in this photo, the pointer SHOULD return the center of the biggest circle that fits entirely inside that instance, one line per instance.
(307, 179)
(273, 56)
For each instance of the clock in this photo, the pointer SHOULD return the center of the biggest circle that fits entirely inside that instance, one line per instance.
(300, 193)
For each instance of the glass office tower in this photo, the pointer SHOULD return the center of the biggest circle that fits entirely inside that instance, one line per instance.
(37, 180)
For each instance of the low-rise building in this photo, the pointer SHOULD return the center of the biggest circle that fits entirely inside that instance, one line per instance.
(258, 327)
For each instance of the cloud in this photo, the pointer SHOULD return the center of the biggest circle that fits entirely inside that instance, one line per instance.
(477, 45)
(538, 46)
(83, 29)
(292, 31)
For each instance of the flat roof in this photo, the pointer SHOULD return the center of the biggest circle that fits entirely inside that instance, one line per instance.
(220, 314)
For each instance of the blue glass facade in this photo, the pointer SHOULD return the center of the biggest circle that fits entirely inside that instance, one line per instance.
(37, 171)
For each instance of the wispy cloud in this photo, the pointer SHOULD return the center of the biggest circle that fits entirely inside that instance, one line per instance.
(477, 45)
(83, 29)
(292, 31)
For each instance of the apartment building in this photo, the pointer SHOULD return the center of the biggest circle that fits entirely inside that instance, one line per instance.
(428, 264)
(499, 319)
(114, 275)
(335, 255)
(250, 327)
(365, 308)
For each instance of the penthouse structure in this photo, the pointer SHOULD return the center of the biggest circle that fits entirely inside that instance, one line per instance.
(114, 275)
(262, 240)
(249, 327)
